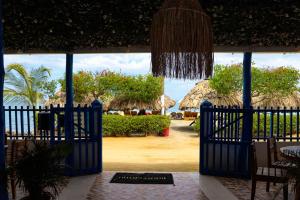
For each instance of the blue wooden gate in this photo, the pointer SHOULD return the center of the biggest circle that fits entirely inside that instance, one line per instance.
(86, 137)
(225, 137)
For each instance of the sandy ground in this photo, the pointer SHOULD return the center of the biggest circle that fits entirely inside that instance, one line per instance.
(178, 152)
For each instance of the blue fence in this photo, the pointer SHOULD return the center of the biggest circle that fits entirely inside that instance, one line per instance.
(21, 122)
(226, 134)
(282, 123)
(224, 150)
(48, 124)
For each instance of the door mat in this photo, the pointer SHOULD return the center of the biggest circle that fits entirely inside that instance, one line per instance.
(143, 178)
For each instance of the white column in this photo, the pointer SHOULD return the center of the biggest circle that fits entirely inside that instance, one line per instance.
(162, 99)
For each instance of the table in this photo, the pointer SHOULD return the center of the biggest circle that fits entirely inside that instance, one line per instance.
(292, 153)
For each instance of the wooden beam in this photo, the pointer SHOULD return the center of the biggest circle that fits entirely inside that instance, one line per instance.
(146, 49)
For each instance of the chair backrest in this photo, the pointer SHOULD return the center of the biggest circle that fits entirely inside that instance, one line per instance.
(254, 160)
(272, 150)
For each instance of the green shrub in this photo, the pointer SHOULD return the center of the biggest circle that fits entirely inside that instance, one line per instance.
(116, 125)
(262, 125)
(259, 127)
(196, 126)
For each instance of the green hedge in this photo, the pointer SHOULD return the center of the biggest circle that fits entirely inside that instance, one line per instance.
(276, 126)
(116, 125)
(261, 125)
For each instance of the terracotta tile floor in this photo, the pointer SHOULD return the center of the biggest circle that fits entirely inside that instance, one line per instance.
(242, 189)
(186, 188)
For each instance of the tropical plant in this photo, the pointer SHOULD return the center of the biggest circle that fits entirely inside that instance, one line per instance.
(40, 170)
(227, 79)
(266, 83)
(49, 89)
(109, 84)
(141, 88)
(26, 87)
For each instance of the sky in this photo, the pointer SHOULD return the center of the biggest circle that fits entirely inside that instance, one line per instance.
(139, 63)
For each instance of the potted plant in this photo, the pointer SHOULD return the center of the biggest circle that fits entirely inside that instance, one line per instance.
(40, 170)
(166, 124)
(166, 132)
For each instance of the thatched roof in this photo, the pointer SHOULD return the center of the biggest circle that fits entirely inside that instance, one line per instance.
(120, 104)
(289, 101)
(120, 26)
(61, 100)
(202, 91)
(114, 104)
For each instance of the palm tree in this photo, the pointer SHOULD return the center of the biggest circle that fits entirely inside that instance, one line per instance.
(22, 86)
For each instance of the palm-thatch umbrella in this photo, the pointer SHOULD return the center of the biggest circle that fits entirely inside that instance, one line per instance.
(61, 100)
(292, 100)
(125, 104)
(202, 91)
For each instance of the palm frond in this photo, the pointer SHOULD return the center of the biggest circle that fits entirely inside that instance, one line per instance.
(20, 70)
(21, 86)
(12, 80)
(11, 95)
(40, 74)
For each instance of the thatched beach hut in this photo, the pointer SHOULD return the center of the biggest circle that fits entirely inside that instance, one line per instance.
(202, 91)
(125, 104)
(61, 100)
(292, 100)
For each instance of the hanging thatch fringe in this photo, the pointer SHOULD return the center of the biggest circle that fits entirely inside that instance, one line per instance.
(181, 41)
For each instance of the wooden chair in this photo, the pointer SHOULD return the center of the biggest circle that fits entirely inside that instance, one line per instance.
(13, 153)
(272, 153)
(273, 161)
(267, 174)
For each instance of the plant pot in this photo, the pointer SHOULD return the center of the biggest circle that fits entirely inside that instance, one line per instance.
(166, 132)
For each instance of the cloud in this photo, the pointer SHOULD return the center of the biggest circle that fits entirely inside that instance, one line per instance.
(131, 63)
(228, 58)
(277, 60)
(53, 61)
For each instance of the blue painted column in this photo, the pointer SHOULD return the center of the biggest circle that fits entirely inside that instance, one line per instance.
(3, 191)
(69, 115)
(247, 132)
(69, 97)
(247, 80)
(245, 158)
